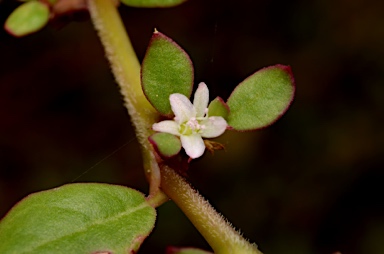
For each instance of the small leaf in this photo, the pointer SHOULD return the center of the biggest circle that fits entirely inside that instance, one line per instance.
(27, 18)
(152, 3)
(78, 218)
(261, 98)
(188, 250)
(218, 107)
(166, 69)
(167, 145)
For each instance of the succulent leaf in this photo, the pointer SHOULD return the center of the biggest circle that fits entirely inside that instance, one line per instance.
(167, 145)
(218, 107)
(166, 69)
(27, 18)
(261, 98)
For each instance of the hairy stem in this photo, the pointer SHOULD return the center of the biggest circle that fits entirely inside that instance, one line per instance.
(218, 232)
(222, 237)
(126, 69)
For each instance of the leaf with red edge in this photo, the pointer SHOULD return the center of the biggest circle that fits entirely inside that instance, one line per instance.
(167, 145)
(218, 107)
(261, 99)
(166, 69)
(27, 18)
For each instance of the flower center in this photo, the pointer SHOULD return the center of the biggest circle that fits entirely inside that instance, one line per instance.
(192, 126)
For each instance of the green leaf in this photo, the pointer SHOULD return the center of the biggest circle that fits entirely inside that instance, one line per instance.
(218, 107)
(261, 98)
(176, 250)
(166, 69)
(152, 3)
(167, 145)
(78, 218)
(27, 18)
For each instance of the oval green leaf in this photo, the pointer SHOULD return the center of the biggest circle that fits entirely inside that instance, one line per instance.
(78, 218)
(261, 98)
(152, 3)
(166, 69)
(218, 107)
(27, 18)
(167, 145)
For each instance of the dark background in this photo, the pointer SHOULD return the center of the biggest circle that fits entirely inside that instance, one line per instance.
(311, 183)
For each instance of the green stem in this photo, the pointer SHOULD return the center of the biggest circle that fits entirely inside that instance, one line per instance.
(126, 69)
(220, 235)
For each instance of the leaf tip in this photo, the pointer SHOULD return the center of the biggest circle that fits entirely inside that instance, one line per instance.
(287, 69)
(166, 69)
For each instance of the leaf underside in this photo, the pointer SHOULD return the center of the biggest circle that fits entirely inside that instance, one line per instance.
(78, 218)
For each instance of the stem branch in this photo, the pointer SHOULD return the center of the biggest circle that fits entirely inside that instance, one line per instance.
(222, 237)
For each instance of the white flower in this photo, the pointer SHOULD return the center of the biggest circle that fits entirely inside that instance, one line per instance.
(191, 122)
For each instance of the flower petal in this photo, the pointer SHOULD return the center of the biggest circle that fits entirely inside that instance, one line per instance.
(201, 99)
(214, 126)
(167, 126)
(193, 145)
(181, 107)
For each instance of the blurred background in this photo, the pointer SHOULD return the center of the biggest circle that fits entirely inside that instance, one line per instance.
(311, 183)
